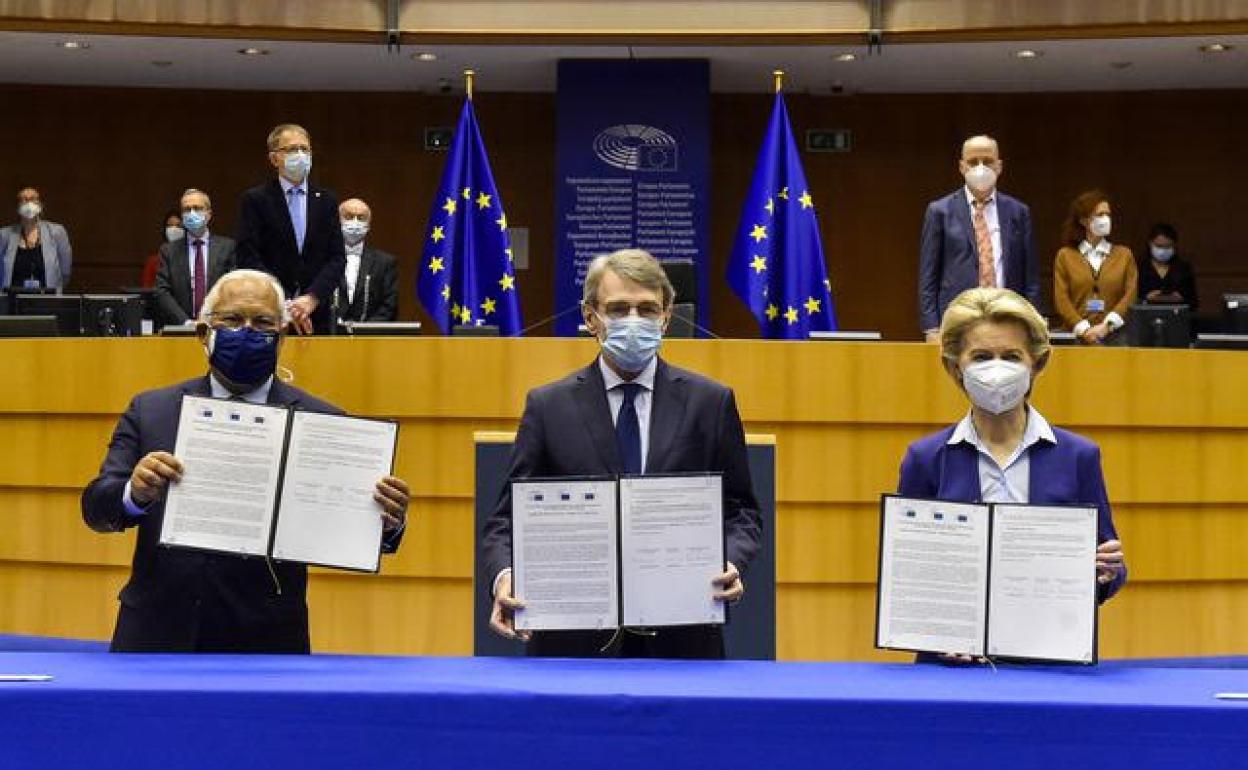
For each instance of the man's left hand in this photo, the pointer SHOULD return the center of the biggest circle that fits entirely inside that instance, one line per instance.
(1109, 561)
(301, 310)
(729, 584)
(393, 494)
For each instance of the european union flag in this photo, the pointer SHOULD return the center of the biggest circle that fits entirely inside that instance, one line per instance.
(466, 272)
(777, 263)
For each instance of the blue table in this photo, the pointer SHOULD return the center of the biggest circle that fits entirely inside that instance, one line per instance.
(177, 712)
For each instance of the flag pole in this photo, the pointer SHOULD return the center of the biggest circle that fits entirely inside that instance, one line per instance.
(779, 76)
(468, 76)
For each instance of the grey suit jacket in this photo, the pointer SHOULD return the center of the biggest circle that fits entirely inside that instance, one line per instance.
(174, 301)
(58, 257)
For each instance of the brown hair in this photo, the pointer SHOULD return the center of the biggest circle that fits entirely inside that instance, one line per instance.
(1073, 231)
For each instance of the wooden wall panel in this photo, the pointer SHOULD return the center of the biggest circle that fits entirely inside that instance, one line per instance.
(110, 161)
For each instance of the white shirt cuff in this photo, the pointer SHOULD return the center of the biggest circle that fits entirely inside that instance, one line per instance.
(127, 502)
(1115, 321)
(1081, 327)
(498, 577)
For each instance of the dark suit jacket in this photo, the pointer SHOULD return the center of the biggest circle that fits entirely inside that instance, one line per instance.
(949, 261)
(180, 600)
(1065, 473)
(174, 300)
(266, 241)
(566, 430)
(379, 275)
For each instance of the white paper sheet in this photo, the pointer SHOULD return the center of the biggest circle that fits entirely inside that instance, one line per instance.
(327, 514)
(1042, 602)
(933, 576)
(231, 454)
(564, 554)
(671, 547)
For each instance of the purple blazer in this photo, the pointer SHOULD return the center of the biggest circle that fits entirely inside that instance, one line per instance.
(1065, 473)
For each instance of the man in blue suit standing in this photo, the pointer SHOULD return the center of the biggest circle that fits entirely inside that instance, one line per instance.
(179, 600)
(975, 236)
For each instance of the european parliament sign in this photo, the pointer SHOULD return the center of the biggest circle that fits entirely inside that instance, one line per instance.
(633, 168)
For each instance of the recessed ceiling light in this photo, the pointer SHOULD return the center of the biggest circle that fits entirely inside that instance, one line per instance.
(425, 56)
(162, 63)
(1028, 53)
(1216, 47)
(74, 45)
(1120, 65)
(846, 57)
(251, 51)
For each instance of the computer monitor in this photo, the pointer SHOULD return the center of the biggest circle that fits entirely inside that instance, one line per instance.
(67, 308)
(684, 322)
(112, 315)
(683, 277)
(28, 326)
(1160, 326)
(474, 331)
(1235, 313)
(1222, 341)
(1063, 338)
(149, 299)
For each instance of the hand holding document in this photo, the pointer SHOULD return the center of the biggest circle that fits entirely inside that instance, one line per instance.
(264, 480)
(600, 554)
(1014, 581)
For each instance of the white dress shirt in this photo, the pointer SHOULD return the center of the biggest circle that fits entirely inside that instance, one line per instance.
(1096, 256)
(1008, 482)
(641, 402)
(352, 273)
(994, 231)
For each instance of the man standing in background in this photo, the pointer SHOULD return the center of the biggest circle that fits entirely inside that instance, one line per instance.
(370, 284)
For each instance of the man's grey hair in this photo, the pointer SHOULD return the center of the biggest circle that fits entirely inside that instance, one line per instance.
(214, 294)
(195, 191)
(636, 265)
(275, 136)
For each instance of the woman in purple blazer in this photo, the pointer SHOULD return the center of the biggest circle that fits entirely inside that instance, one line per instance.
(994, 344)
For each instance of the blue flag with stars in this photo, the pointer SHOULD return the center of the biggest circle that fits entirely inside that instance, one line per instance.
(777, 265)
(466, 272)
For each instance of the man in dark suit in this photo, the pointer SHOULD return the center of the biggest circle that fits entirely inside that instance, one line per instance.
(370, 284)
(181, 600)
(190, 266)
(975, 236)
(629, 412)
(289, 228)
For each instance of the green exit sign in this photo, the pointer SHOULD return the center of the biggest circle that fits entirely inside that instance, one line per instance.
(829, 140)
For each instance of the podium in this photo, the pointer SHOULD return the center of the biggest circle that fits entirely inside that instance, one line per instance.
(750, 633)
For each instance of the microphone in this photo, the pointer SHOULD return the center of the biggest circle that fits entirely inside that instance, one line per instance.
(364, 312)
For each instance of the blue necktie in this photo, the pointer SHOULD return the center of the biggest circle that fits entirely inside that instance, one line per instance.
(628, 431)
(296, 216)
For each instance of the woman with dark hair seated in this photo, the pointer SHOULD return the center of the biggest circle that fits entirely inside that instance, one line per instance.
(1165, 277)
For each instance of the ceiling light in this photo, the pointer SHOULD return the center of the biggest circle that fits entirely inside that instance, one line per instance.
(1216, 47)
(425, 56)
(1028, 53)
(1120, 65)
(162, 63)
(846, 57)
(251, 51)
(74, 45)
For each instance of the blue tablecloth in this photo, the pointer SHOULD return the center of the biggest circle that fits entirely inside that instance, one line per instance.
(177, 712)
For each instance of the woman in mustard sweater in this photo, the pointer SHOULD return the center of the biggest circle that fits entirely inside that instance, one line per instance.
(1094, 281)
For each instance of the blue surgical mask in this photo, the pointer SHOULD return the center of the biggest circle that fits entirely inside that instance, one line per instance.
(297, 165)
(243, 356)
(195, 221)
(632, 341)
(1162, 253)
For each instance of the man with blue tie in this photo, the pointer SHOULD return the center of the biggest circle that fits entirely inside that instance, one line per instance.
(628, 412)
(289, 228)
(975, 236)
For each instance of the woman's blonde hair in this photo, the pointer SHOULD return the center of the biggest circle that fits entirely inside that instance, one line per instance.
(975, 306)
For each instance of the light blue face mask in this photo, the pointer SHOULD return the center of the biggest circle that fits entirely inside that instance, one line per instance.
(194, 221)
(297, 165)
(632, 341)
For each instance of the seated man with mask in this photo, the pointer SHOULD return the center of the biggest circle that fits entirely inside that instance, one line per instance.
(192, 601)
(628, 412)
(370, 285)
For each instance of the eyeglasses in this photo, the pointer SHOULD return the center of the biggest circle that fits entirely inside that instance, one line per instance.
(236, 321)
(622, 309)
(294, 148)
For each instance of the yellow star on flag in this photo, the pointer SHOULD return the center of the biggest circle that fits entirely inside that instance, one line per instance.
(435, 265)
(483, 201)
(759, 233)
(502, 222)
(807, 201)
(449, 207)
(790, 315)
(772, 312)
(455, 310)
(771, 206)
(812, 305)
(467, 194)
(508, 282)
(465, 315)
(759, 264)
(446, 291)
(438, 235)
(488, 306)
(783, 194)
